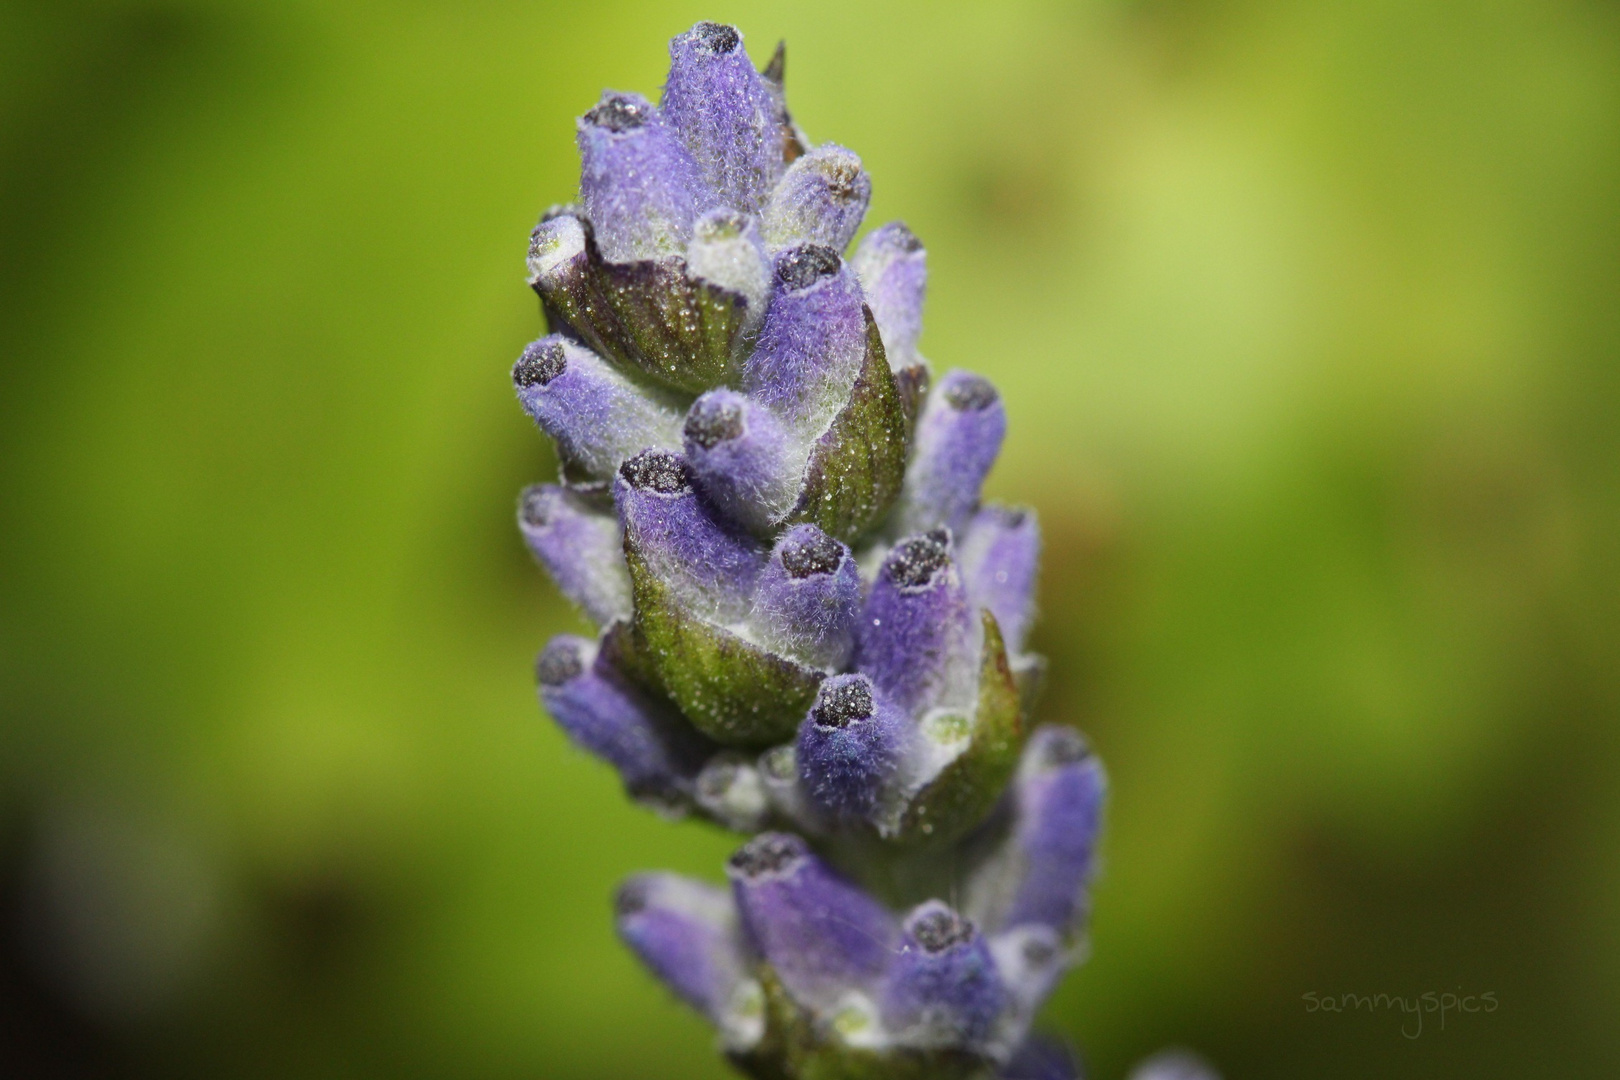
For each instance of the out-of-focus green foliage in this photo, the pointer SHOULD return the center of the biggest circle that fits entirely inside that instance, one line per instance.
(1308, 320)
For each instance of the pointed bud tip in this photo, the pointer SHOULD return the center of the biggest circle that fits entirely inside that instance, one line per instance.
(559, 662)
(970, 393)
(535, 506)
(842, 701)
(1063, 746)
(803, 266)
(619, 113)
(713, 421)
(768, 853)
(914, 561)
(657, 471)
(716, 39)
(939, 929)
(541, 362)
(810, 551)
(631, 899)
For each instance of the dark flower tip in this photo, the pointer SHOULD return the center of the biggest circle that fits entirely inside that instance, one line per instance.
(903, 238)
(631, 899)
(843, 701)
(559, 662)
(768, 853)
(1064, 746)
(939, 929)
(844, 180)
(540, 363)
(914, 561)
(711, 422)
(617, 112)
(535, 506)
(803, 266)
(970, 393)
(658, 471)
(816, 553)
(716, 38)
(1038, 953)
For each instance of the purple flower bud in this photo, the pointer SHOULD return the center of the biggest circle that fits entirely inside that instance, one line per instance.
(730, 790)
(1001, 550)
(821, 199)
(958, 438)
(1174, 1065)
(711, 568)
(557, 249)
(1040, 1058)
(726, 250)
(640, 187)
(809, 599)
(823, 936)
(943, 989)
(812, 342)
(1058, 795)
(742, 459)
(724, 114)
(656, 754)
(581, 548)
(893, 268)
(850, 747)
(918, 636)
(687, 933)
(597, 416)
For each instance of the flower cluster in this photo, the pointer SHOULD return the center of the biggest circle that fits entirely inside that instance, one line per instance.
(811, 628)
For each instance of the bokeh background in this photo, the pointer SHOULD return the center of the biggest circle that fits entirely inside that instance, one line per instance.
(1308, 320)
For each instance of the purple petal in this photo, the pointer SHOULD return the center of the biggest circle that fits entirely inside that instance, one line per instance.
(809, 599)
(823, 936)
(957, 441)
(581, 548)
(639, 185)
(1001, 550)
(821, 199)
(711, 567)
(656, 753)
(943, 989)
(850, 746)
(1058, 796)
(918, 637)
(687, 933)
(742, 459)
(597, 416)
(812, 342)
(893, 268)
(724, 114)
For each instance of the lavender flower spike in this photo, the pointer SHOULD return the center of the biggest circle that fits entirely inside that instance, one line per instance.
(811, 628)
(640, 187)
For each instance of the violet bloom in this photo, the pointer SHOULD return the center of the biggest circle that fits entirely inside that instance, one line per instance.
(810, 628)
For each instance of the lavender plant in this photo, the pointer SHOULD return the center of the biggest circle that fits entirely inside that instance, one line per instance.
(811, 628)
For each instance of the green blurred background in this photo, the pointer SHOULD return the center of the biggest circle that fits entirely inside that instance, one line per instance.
(1307, 316)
